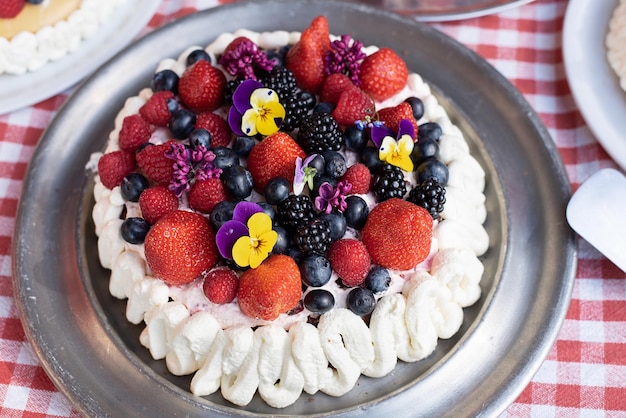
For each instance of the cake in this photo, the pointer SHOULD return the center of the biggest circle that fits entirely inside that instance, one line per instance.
(615, 41)
(285, 212)
(35, 32)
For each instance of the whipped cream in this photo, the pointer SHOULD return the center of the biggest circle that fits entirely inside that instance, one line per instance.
(28, 51)
(240, 356)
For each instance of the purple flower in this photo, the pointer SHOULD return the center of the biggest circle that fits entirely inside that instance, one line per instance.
(329, 197)
(304, 174)
(244, 59)
(345, 57)
(190, 165)
(255, 110)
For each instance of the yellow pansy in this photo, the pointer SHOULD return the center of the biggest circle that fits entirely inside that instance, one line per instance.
(251, 250)
(398, 152)
(265, 114)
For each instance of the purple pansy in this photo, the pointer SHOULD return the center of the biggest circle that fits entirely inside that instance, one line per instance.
(235, 228)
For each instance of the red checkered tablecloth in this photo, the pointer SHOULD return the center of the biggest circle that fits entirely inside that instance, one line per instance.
(584, 374)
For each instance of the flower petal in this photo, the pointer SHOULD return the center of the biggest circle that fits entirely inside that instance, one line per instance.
(243, 247)
(242, 94)
(244, 210)
(269, 118)
(227, 235)
(387, 148)
(405, 145)
(249, 122)
(234, 121)
(405, 127)
(260, 97)
(378, 133)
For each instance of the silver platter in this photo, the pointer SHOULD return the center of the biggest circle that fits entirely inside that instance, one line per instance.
(80, 334)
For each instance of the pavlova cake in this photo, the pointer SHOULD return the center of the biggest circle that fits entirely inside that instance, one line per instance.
(35, 32)
(286, 212)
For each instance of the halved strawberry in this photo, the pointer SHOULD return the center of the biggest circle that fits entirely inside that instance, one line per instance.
(353, 104)
(201, 87)
(306, 58)
(275, 156)
(383, 74)
(114, 166)
(154, 164)
(180, 246)
(391, 116)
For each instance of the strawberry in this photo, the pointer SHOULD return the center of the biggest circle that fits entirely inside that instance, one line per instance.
(11, 8)
(353, 104)
(180, 246)
(392, 116)
(156, 202)
(154, 164)
(158, 109)
(350, 260)
(306, 58)
(135, 132)
(275, 156)
(359, 176)
(398, 234)
(216, 126)
(205, 194)
(274, 287)
(202, 87)
(333, 86)
(220, 285)
(114, 166)
(383, 74)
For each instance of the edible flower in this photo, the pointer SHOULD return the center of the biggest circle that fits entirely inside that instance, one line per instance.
(190, 165)
(345, 56)
(395, 151)
(304, 174)
(243, 57)
(255, 109)
(248, 238)
(330, 197)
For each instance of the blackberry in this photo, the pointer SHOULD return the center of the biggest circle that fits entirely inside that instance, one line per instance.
(319, 132)
(294, 211)
(430, 195)
(313, 237)
(231, 86)
(296, 106)
(389, 183)
(279, 79)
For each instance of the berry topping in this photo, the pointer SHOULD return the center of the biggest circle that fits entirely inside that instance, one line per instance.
(201, 87)
(392, 116)
(135, 132)
(319, 301)
(378, 280)
(197, 55)
(295, 210)
(237, 182)
(297, 105)
(315, 270)
(276, 190)
(132, 186)
(417, 105)
(182, 123)
(333, 86)
(180, 246)
(361, 301)
(389, 183)
(159, 107)
(274, 287)
(356, 212)
(10, 8)
(306, 58)
(220, 285)
(156, 202)
(429, 130)
(430, 195)
(313, 237)
(350, 259)
(319, 132)
(165, 80)
(383, 74)
(114, 166)
(134, 230)
(398, 234)
(281, 80)
(359, 176)
(336, 222)
(353, 104)
(205, 194)
(154, 164)
(433, 168)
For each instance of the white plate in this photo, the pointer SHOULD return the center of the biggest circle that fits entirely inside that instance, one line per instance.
(593, 83)
(18, 91)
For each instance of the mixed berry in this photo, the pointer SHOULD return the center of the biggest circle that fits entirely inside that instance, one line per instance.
(11, 8)
(277, 189)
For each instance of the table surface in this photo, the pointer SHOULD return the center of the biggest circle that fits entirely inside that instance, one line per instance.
(584, 373)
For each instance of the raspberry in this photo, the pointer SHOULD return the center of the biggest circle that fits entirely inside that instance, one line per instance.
(114, 166)
(359, 176)
(350, 260)
(156, 202)
(205, 194)
(216, 126)
(221, 285)
(158, 109)
(11, 8)
(135, 132)
(154, 164)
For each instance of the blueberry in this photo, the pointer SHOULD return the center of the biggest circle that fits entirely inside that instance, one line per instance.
(165, 80)
(335, 164)
(35, 1)
(182, 123)
(134, 230)
(429, 130)
(315, 270)
(319, 180)
(318, 163)
(378, 280)
(369, 157)
(356, 212)
(337, 223)
(355, 138)
(433, 168)
(132, 185)
(295, 253)
(319, 301)
(242, 145)
(268, 210)
(276, 190)
(324, 107)
(237, 182)
(200, 136)
(361, 301)
(197, 55)
(417, 106)
(221, 213)
(424, 149)
(225, 157)
(282, 243)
